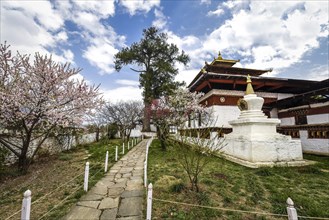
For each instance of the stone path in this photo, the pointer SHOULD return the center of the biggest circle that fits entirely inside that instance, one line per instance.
(119, 195)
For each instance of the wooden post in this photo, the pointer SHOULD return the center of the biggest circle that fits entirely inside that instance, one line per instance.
(149, 202)
(123, 148)
(145, 173)
(116, 153)
(292, 213)
(106, 161)
(85, 186)
(26, 205)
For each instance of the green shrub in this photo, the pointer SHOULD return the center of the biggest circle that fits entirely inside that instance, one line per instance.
(177, 187)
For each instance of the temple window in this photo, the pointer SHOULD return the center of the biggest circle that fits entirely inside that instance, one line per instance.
(300, 120)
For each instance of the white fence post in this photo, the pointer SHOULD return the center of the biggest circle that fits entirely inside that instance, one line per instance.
(292, 213)
(149, 201)
(116, 153)
(85, 186)
(145, 173)
(132, 142)
(26, 205)
(123, 148)
(106, 161)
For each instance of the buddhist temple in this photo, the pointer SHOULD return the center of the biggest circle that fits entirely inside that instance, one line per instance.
(301, 105)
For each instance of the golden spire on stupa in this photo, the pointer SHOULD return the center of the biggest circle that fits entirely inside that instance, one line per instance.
(249, 89)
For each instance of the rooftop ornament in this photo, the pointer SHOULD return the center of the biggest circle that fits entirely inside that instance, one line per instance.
(249, 89)
(219, 56)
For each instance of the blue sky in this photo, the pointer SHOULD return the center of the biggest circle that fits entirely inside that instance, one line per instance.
(289, 36)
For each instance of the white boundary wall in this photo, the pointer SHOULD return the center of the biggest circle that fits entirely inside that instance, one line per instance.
(313, 145)
(52, 145)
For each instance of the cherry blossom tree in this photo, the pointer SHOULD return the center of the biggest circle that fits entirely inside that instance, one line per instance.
(175, 110)
(36, 96)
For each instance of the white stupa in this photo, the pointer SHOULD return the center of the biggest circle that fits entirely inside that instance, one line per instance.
(254, 141)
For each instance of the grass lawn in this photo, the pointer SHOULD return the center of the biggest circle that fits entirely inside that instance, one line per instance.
(48, 174)
(228, 185)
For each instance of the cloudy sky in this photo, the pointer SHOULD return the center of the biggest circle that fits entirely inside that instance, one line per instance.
(289, 36)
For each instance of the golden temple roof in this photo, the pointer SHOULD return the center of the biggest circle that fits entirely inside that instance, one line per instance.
(223, 62)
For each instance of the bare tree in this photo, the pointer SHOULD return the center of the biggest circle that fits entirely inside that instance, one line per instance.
(96, 122)
(37, 96)
(124, 114)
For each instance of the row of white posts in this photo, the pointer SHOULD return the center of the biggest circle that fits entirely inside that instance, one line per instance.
(149, 191)
(26, 204)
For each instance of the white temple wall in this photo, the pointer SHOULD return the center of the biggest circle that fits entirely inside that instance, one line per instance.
(313, 145)
(274, 113)
(223, 114)
(317, 119)
(287, 121)
(53, 145)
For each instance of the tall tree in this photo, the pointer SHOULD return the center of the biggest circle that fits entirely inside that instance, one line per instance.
(37, 96)
(156, 60)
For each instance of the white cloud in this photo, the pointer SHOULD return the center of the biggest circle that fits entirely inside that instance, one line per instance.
(206, 2)
(281, 41)
(266, 35)
(160, 19)
(69, 56)
(30, 29)
(216, 13)
(127, 82)
(135, 6)
(101, 54)
(44, 13)
(275, 35)
(122, 94)
(320, 72)
(101, 39)
(103, 9)
(186, 75)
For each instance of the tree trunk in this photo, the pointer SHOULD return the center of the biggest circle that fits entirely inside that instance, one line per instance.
(162, 138)
(23, 162)
(97, 134)
(147, 117)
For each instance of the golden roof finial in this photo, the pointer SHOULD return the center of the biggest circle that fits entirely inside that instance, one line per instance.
(249, 89)
(219, 56)
(203, 70)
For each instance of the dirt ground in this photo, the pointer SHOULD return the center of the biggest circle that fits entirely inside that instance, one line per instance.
(50, 179)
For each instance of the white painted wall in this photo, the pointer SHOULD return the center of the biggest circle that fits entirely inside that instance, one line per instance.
(318, 119)
(313, 145)
(52, 145)
(223, 114)
(287, 121)
(274, 113)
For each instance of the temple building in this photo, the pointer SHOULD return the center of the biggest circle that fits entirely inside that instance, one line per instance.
(301, 105)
